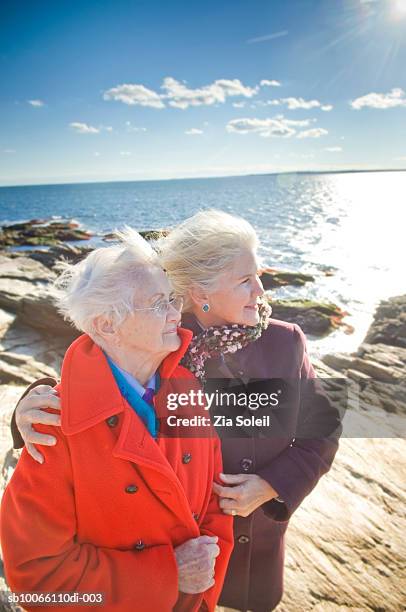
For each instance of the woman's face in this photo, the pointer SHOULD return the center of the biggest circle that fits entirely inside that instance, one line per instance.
(236, 300)
(150, 331)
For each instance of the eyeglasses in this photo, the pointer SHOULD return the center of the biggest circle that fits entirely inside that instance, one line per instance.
(162, 308)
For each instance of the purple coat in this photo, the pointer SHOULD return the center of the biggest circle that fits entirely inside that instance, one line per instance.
(254, 579)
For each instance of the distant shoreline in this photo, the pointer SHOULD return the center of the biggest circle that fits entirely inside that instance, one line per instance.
(205, 178)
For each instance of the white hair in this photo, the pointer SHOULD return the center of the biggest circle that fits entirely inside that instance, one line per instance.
(200, 249)
(104, 283)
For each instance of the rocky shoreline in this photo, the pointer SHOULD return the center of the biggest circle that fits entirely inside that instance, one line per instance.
(26, 278)
(345, 544)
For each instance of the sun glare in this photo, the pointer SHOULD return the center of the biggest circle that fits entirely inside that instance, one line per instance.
(399, 9)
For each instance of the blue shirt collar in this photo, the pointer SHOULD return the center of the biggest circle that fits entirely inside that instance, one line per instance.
(133, 382)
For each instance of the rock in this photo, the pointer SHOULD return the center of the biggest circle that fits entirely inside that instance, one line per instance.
(25, 290)
(376, 370)
(272, 278)
(33, 233)
(147, 234)
(67, 252)
(345, 543)
(389, 325)
(338, 361)
(22, 369)
(314, 318)
(21, 339)
(38, 310)
(12, 291)
(24, 268)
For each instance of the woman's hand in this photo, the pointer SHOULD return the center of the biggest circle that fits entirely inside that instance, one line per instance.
(196, 559)
(244, 493)
(28, 412)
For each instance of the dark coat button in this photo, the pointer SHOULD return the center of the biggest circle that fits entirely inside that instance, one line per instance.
(187, 458)
(246, 464)
(243, 539)
(139, 545)
(112, 421)
(131, 489)
(195, 516)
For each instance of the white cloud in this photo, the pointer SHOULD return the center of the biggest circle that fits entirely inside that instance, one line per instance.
(193, 132)
(268, 37)
(108, 128)
(84, 128)
(396, 97)
(266, 83)
(313, 133)
(295, 103)
(269, 102)
(403, 158)
(134, 128)
(125, 153)
(96, 154)
(180, 96)
(333, 149)
(134, 94)
(9, 151)
(36, 103)
(239, 104)
(272, 127)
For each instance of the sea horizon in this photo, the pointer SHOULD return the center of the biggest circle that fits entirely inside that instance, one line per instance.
(217, 176)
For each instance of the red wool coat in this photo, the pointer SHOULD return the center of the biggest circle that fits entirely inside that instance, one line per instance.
(106, 509)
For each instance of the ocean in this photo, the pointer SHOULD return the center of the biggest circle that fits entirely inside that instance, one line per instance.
(350, 224)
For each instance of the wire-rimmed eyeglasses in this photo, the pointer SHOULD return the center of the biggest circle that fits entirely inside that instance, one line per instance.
(162, 308)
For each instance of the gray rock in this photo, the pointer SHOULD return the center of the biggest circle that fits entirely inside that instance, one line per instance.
(389, 325)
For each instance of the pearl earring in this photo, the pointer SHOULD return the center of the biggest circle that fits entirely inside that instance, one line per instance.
(205, 307)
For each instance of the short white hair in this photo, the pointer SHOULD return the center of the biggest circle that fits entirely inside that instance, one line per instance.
(200, 249)
(105, 283)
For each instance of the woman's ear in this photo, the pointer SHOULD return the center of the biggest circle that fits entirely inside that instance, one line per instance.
(104, 328)
(197, 296)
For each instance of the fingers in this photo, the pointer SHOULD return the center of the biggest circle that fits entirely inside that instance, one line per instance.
(208, 539)
(40, 416)
(43, 400)
(30, 435)
(227, 505)
(39, 389)
(228, 492)
(34, 453)
(233, 479)
(33, 400)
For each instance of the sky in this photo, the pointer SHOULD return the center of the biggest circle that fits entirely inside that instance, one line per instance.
(96, 90)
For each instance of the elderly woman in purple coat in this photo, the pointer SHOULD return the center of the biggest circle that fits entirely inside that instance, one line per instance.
(211, 260)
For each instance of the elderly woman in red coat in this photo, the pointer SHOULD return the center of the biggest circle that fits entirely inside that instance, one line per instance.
(211, 260)
(116, 508)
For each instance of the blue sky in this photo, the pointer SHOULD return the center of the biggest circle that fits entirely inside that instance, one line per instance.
(127, 90)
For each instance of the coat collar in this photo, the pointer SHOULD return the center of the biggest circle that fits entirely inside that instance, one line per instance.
(88, 391)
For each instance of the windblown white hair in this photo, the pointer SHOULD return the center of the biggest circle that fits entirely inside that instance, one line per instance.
(105, 282)
(203, 247)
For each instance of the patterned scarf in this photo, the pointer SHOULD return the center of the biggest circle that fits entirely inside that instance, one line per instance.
(219, 340)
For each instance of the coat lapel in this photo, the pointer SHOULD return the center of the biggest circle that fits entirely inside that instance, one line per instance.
(90, 395)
